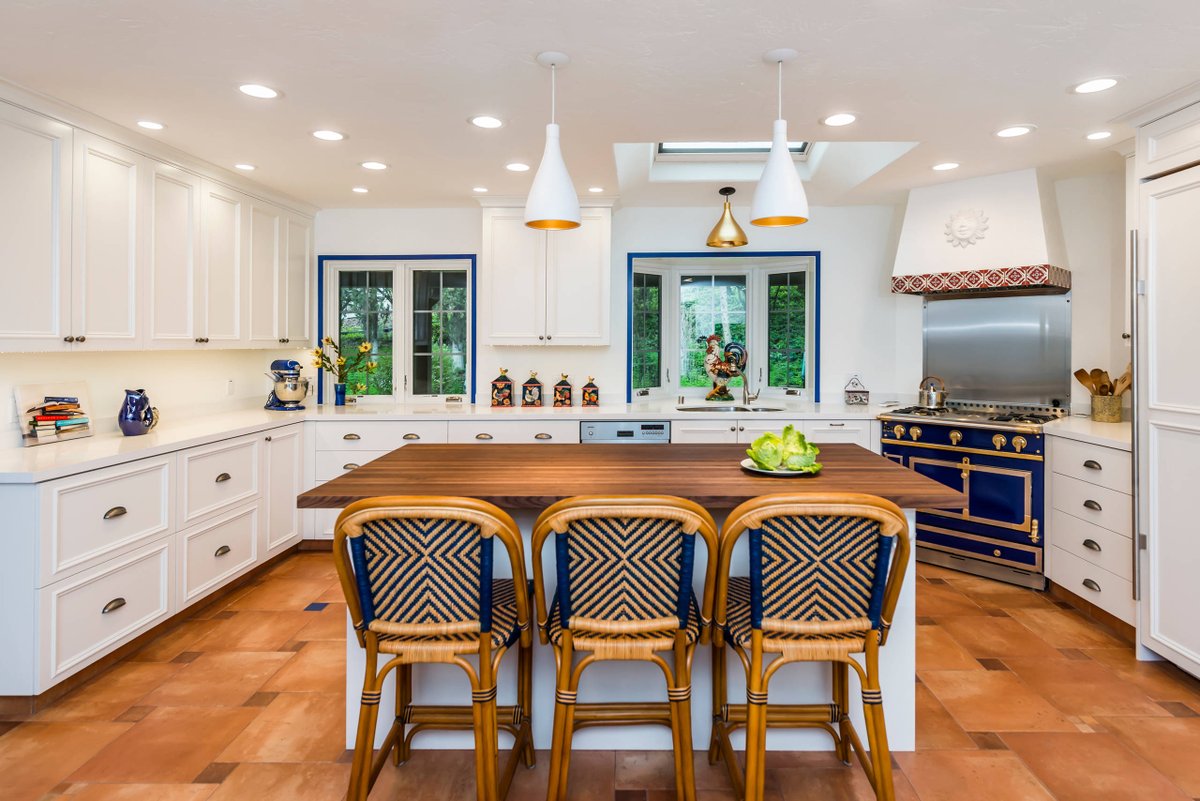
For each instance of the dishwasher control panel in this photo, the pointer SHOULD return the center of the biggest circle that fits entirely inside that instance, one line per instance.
(625, 431)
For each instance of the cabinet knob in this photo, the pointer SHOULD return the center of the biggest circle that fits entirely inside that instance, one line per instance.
(268, 439)
(1092, 464)
(81, 339)
(282, 340)
(223, 477)
(199, 340)
(116, 511)
(352, 437)
(68, 339)
(483, 436)
(542, 435)
(1091, 585)
(541, 337)
(412, 437)
(224, 549)
(1092, 545)
(1126, 336)
(741, 428)
(113, 605)
(733, 428)
(548, 336)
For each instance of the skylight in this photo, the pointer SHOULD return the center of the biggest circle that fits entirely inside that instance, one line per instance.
(726, 149)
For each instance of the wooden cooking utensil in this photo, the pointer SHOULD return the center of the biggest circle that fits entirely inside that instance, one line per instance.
(1097, 377)
(1123, 381)
(1082, 377)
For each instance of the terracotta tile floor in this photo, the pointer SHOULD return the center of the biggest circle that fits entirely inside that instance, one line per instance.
(1018, 699)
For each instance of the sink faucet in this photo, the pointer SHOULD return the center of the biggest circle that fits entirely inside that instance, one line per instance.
(748, 398)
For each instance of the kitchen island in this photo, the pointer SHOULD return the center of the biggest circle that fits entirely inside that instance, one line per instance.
(524, 479)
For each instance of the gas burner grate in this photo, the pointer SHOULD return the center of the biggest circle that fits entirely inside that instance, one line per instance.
(1017, 417)
(924, 411)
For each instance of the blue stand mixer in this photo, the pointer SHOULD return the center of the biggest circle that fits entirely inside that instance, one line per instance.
(290, 387)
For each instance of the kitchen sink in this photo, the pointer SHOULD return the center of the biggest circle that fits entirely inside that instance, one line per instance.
(729, 407)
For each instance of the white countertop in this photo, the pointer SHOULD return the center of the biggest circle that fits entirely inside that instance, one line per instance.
(22, 465)
(1084, 429)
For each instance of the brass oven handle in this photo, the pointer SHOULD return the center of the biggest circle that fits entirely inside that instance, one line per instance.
(412, 436)
(116, 511)
(483, 436)
(223, 477)
(1093, 505)
(351, 436)
(999, 441)
(1092, 545)
(542, 435)
(224, 549)
(955, 437)
(1091, 585)
(915, 432)
(1092, 464)
(350, 466)
(112, 606)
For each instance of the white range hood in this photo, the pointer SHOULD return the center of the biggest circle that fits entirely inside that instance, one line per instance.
(996, 234)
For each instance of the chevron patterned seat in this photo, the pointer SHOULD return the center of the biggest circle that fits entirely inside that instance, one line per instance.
(417, 575)
(624, 592)
(824, 578)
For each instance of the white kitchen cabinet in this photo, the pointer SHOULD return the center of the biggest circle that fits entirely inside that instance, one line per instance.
(720, 430)
(855, 431)
(1169, 143)
(546, 288)
(107, 257)
(284, 456)
(747, 429)
(35, 231)
(213, 478)
(222, 246)
(265, 229)
(1168, 407)
(513, 431)
(218, 551)
(173, 306)
(295, 290)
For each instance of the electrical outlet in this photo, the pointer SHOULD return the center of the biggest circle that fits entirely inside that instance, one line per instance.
(229, 388)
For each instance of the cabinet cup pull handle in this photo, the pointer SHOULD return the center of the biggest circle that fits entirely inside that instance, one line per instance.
(351, 437)
(112, 606)
(223, 478)
(412, 436)
(224, 549)
(483, 436)
(1090, 504)
(1092, 464)
(350, 466)
(1091, 585)
(836, 425)
(116, 511)
(542, 435)
(1092, 545)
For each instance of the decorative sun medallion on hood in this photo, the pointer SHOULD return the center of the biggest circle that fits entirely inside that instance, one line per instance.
(965, 227)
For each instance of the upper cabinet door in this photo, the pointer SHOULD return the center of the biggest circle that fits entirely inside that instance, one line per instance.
(263, 327)
(1169, 143)
(107, 257)
(295, 305)
(513, 279)
(578, 275)
(35, 231)
(222, 245)
(174, 291)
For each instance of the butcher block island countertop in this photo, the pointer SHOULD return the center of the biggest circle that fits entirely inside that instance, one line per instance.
(534, 476)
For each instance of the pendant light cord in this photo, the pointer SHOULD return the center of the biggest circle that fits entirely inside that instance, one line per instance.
(553, 91)
(779, 89)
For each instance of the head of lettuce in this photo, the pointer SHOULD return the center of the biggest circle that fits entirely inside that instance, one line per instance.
(790, 452)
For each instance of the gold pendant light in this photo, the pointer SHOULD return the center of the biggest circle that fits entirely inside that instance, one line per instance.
(727, 233)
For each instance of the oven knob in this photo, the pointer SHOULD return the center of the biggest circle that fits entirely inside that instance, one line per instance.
(898, 431)
(915, 432)
(999, 441)
(1019, 444)
(955, 437)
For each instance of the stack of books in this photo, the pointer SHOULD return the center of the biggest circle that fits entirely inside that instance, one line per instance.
(56, 418)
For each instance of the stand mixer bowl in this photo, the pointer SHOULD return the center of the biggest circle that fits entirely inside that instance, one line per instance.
(290, 389)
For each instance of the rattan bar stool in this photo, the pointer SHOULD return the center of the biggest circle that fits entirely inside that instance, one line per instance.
(417, 574)
(624, 569)
(825, 575)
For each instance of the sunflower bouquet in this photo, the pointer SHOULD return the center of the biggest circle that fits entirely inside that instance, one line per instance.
(329, 357)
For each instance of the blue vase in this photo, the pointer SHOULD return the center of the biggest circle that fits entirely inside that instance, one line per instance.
(137, 416)
(339, 394)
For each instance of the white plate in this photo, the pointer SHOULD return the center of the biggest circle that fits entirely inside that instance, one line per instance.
(750, 466)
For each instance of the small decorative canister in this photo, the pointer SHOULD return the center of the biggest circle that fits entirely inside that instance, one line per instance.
(591, 392)
(562, 392)
(502, 389)
(855, 393)
(1106, 408)
(531, 391)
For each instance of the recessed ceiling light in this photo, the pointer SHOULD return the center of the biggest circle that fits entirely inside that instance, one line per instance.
(517, 166)
(595, 190)
(479, 189)
(1096, 136)
(374, 165)
(362, 190)
(1095, 85)
(486, 121)
(329, 136)
(151, 125)
(259, 91)
(1015, 130)
(946, 165)
(839, 119)
(244, 167)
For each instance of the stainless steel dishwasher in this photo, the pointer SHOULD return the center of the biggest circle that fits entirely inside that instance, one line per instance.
(651, 431)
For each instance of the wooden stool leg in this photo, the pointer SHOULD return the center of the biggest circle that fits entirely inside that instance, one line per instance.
(756, 719)
(841, 699)
(881, 756)
(525, 701)
(400, 753)
(561, 694)
(720, 697)
(364, 740)
(681, 701)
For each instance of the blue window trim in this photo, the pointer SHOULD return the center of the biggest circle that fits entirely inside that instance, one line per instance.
(468, 257)
(815, 254)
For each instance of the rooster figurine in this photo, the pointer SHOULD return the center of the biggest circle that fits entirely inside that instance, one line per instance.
(721, 366)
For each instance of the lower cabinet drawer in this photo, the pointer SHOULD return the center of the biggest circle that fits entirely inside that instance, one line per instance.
(376, 435)
(326, 518)
(1093, 503)
(328, 465)
(1110, 592)
(88, 615)
(855, 432)
(1092, 543)
(216, 552)
(514, 431)
(217, 477)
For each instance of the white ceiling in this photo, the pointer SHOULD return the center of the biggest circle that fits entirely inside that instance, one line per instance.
(401, 79)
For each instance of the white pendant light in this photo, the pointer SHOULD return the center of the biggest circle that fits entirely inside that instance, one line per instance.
(552, 204)
(779, 199)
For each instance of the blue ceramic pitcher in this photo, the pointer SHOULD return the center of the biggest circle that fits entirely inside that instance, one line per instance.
(137, 416)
